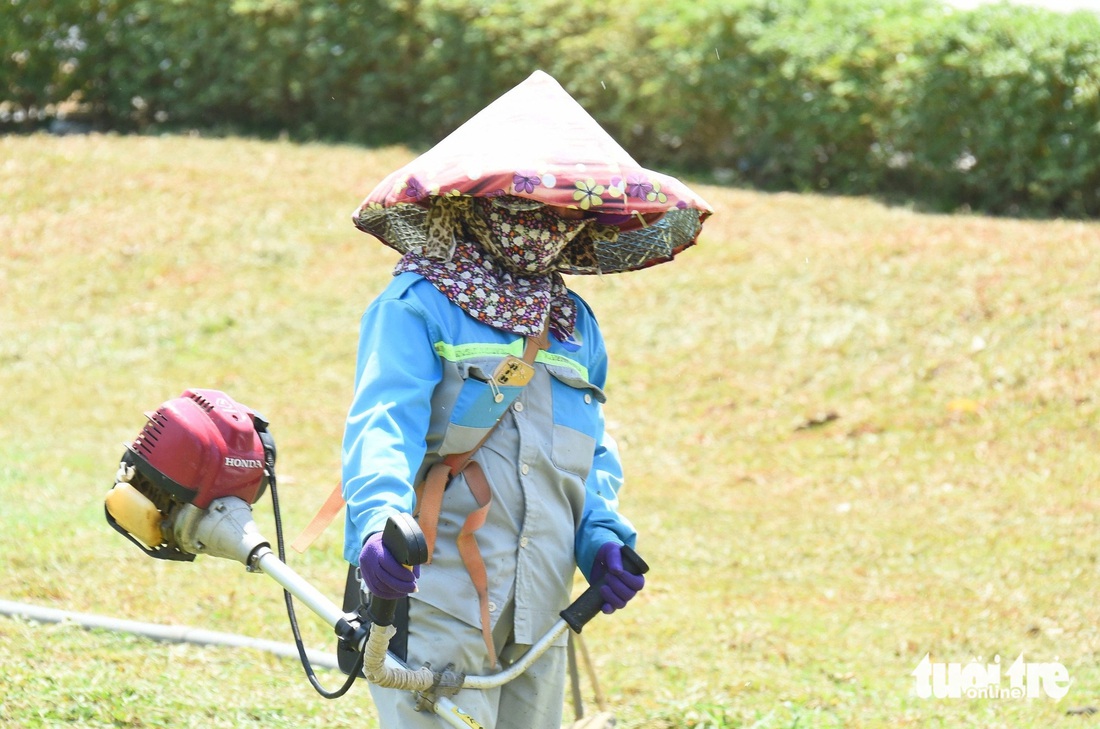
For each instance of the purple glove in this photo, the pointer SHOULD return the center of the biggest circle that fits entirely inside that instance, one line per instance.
(620, 585)
(385, 576)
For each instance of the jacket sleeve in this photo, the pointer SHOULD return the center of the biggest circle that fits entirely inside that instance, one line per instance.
(601, 521)
(385, 435)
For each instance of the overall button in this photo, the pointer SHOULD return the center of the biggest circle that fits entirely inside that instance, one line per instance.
(518, 406)
(492, 607)
(523, 541)
(524, 469)
(587, 398)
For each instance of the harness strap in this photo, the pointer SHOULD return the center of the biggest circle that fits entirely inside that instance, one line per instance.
(335, 501)
(429, 499)
(321, 519)
(471, 554)
(429, 505)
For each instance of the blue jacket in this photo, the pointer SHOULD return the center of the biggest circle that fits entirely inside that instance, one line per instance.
(421, 394)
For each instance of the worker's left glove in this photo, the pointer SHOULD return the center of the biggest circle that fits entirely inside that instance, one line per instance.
(620, 586)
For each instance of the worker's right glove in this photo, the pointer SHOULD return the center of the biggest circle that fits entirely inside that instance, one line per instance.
(620, 586)
(385, 577)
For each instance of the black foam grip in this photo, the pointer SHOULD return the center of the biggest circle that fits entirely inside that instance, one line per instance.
(589, 604)
(403, 538)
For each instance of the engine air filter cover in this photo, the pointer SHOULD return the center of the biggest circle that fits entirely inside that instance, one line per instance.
(201, 446)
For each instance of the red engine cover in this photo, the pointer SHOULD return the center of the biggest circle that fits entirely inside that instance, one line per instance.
(203, 445)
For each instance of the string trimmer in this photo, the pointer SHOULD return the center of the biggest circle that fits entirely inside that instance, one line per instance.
(185, 487)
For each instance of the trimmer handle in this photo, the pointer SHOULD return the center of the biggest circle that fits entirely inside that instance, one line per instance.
(589, 604)
(402, 536)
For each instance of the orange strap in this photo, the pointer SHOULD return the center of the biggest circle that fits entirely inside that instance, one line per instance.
(471, 555)
(324, 517)
(429, 500)
(429, 503)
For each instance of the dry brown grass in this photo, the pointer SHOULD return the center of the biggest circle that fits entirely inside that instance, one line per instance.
(854, 434)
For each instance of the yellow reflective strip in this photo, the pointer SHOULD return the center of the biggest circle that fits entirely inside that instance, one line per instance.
(557, 359)
(457, 353)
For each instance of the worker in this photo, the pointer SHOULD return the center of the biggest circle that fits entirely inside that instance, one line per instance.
(479, 392)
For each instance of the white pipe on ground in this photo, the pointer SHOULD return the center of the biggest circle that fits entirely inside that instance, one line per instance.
(164, 633)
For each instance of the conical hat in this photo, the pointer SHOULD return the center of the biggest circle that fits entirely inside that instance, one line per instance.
(537, 142)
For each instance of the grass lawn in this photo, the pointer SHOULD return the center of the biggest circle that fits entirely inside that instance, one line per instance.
(854, 435)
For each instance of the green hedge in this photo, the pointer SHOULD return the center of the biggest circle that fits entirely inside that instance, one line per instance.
(996, 108)
(1001, 110)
